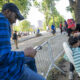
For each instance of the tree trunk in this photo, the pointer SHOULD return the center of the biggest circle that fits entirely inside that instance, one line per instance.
(76, 6)
(46, 21)
(52, 9)
(53, 20)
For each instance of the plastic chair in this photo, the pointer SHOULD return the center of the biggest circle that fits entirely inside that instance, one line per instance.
(68, 52)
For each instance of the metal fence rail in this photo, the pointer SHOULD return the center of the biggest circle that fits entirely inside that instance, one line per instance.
(50, 52)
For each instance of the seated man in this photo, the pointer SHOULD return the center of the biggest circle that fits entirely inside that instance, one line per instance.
(12, 62)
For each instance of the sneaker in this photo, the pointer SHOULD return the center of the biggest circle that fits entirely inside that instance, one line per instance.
(70, 75)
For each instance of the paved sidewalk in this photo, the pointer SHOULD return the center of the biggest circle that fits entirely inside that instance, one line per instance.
(24, 38)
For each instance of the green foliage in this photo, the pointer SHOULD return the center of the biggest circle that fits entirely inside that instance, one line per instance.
(73, 15)
(52, 12)
(51, 21)
(44, 26)
(49, 10)
(36, 4)
(45, 9)
(17, 28)
(69, 9)
(57, 20)
(24, 5)
(25, 25)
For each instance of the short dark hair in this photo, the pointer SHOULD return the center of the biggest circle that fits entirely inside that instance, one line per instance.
(72, 40)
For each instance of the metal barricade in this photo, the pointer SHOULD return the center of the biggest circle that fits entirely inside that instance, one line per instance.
(48, 53)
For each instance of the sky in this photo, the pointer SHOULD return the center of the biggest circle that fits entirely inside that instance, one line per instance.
(61, 7)
(35, 14)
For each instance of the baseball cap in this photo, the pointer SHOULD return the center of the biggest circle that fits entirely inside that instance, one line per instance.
(12, 7)
(71, 23)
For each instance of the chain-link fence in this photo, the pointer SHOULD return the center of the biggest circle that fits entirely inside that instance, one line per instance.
(50, 52)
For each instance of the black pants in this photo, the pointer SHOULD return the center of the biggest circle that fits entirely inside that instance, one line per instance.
(72, 67)
(61, 30)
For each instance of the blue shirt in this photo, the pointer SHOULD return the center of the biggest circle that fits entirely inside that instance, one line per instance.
(53, 27)
(38, 30)
(11, 62)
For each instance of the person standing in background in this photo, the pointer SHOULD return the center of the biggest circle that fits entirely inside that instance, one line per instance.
(15, 38)
(53, 29)
(61, 26)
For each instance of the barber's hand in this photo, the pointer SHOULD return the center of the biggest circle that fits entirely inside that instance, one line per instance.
(30, 52)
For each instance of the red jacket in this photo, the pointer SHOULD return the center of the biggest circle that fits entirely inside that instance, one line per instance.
(60, 26)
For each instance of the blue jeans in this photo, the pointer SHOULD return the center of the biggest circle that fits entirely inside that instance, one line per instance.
(30, 72)
(30, 62)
